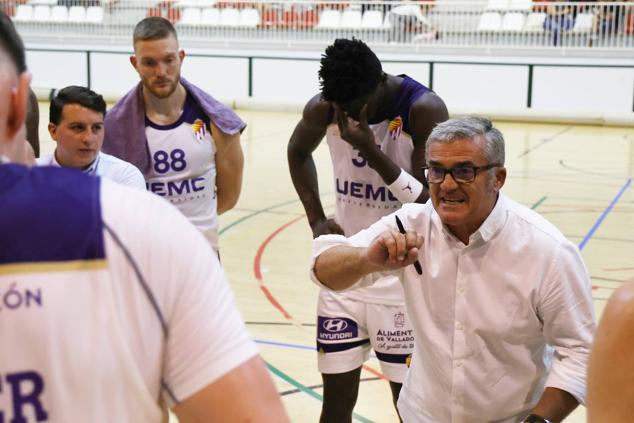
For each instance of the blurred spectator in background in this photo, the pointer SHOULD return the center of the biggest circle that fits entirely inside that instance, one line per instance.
(559, 18)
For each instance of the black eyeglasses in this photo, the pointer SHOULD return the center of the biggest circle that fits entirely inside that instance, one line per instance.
(461, 173)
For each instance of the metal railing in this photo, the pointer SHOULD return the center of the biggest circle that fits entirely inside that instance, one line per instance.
(492, 24)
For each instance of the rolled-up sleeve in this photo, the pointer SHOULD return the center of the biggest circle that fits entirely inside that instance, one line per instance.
(361, 239)
(568, 317)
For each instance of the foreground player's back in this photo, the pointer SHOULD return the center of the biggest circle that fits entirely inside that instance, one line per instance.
(111, 302)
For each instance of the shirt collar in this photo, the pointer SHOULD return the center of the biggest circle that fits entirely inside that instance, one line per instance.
(491, 225)
(494, 221)
(90, 170)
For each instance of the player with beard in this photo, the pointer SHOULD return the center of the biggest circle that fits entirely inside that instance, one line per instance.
(186, 143)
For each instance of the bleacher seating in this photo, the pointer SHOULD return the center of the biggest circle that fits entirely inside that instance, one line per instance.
(350, 19)
(583, 23)
(372, 19)
(77, 14)
(535, 22)
(329, 19)
(513, 21)
(59, 14)
(490, 21)
(23, 13)
(505, 22)
(210, 17)
(191, 16)
(41, 13)
(229, 16)
(249, 17)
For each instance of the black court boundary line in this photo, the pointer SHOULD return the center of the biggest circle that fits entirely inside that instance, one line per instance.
(544, 141)
(588, 172)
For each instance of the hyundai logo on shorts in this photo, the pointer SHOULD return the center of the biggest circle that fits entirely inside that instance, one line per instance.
(335, 325)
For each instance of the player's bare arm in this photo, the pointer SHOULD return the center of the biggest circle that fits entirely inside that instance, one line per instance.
(239, 396)
(305, 138)
(610, 370)
(229, 167)
(427, 112)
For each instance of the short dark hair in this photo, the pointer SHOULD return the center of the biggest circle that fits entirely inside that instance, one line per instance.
(75, 95)
(153, 28)
(11, 43)
(349, 70)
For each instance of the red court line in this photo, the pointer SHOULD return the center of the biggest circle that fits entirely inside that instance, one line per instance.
(257, 270)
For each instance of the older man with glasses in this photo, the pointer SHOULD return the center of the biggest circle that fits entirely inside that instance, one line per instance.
(502, 310)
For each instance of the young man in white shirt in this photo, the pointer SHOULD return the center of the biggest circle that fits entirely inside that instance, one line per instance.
(112, 305)
(76, 125)
(502, 310)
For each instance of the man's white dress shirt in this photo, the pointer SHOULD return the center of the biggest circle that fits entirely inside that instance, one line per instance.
(495, 321)
(106, 166)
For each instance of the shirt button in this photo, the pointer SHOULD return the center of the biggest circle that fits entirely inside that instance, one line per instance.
(458, 363)
(460, 289)
(459, 326)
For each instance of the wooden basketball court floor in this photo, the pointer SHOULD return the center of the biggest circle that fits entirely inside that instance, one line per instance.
(579, 177)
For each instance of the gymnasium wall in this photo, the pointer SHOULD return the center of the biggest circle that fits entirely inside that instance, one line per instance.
(592, 90)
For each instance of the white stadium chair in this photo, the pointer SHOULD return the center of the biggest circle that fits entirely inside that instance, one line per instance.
(59, 14)
(513, 22)
(23, 13)
(490, 21)
(191, 16)
(350, 19)
(210, 17)
(372, 19)
(77, 14)
(94, 14)
(535, 22)
(329, 19)
(41, 13)
(229, 16)
(249, 17)
(583, 23)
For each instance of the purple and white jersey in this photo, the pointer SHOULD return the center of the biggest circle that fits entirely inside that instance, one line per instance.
(99, 300)
(361, 194)
(184, 167)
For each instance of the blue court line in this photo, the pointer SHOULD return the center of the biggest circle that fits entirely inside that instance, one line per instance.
(596, 225)
(281, 344)
(296, 346)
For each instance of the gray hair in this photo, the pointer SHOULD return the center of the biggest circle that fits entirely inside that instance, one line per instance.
(471, 127)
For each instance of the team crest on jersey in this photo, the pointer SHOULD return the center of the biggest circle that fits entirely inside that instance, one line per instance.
(395, 127)
(199, 129)
(399, 320)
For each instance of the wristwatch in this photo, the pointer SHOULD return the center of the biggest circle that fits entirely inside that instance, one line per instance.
(534, 418)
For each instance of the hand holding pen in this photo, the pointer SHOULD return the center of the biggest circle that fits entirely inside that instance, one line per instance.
(401, 229)
(395, 249)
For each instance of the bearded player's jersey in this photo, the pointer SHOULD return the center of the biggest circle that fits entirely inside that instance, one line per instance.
(184, 167)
